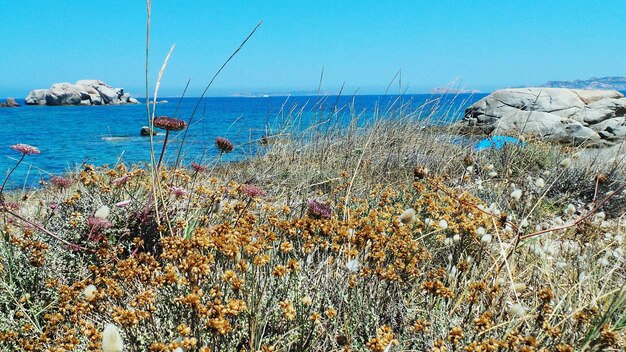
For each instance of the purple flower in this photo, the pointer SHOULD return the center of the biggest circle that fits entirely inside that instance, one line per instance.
(224, 145)
(319, 210)
(25, 149)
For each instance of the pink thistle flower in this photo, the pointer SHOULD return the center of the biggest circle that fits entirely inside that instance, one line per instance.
(251, 191)
(123, 203)
(25, 149)
(11, 205)
(224, 145)
(319, 210)
(61, 182)
(178, 191)
(197, 167)
(169, 123)
(120, 181)
(98, 224)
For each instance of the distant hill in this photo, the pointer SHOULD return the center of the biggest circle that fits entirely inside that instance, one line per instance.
(446, 90)
(617, 83)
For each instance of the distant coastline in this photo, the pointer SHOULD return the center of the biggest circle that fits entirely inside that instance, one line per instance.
(614, 82)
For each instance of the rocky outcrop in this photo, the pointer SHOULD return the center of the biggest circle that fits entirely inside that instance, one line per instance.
(593, 117)
(9, 103)
(83, 92)
(145, 131)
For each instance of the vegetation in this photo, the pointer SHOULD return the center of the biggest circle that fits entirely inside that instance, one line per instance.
(384, 237)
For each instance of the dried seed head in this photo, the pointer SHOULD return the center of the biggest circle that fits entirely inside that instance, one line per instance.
(169, 123)
(602, 178)
(420, 172)
(197, 167)
(224, 145)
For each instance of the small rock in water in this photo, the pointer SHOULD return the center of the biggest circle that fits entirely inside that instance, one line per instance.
(145, 131)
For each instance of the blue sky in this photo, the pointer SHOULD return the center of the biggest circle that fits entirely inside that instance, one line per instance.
(479, 44)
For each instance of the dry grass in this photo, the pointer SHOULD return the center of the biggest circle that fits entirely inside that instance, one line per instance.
(227, 267)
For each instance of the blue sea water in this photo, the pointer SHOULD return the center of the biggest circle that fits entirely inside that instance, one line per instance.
(69, 136)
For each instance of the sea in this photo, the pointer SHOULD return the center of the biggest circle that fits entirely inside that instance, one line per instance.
(71, 136)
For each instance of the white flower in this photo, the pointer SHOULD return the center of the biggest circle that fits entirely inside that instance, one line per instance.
(408, 216)
(519, 287)
(429, 222)
(517, 310)
(516, 194)
(111, 339)
(103, 212)
(604, 261)
(540, 183)
(571, 209)
(456, 237)
(123, 203)
(353, 265)
(599, 217)
(443, 224)
(388, 348)
(565, 163)
(490, 167)
(558, 221)
(89, 292)
(492, 174)
(524, 223)
(453, 271)
(470, 169)
(481, 231)
(306, 300)
(178, 349)
(486, 238)
(448, 241)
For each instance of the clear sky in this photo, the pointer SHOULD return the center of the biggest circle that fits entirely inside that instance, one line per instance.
(481, 44)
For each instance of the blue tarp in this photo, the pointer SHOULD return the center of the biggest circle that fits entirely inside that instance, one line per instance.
(496, 142)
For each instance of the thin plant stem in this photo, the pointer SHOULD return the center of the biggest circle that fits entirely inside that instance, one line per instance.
(167, 134)
(10, 172)
(209, 85)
